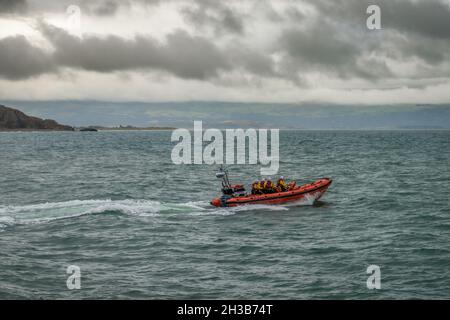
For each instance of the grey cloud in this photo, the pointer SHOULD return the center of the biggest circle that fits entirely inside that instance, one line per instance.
(431, 51)
(193, 57)
(182, 55)
(232, 22)
(106, 8)
(215, 14)
(253, 61)
(89, 7)
(320, 48)
(430, 18)
(294, 14)
(335, 42)
(20, 60)
(12, 6)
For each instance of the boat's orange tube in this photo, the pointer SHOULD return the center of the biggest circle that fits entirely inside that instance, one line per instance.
(315, 190)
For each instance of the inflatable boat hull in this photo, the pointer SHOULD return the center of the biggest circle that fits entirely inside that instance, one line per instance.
(309, 191)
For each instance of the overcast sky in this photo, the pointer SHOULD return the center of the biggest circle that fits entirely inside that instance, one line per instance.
(260, 51)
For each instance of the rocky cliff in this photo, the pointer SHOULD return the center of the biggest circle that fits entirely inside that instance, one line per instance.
(12, 119)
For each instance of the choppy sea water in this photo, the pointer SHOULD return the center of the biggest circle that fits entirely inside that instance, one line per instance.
(141, 227)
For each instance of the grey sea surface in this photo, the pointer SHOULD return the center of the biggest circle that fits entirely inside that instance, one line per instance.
(140, 227)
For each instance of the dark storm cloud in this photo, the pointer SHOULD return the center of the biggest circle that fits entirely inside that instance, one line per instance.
(182, 55)
(12, 6)
(20, 60)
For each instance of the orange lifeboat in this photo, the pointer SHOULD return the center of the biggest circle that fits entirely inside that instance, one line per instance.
(314, 191)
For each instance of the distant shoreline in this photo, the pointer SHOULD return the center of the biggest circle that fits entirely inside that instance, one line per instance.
(34, 130)
(171, 129)
(99, 129)
(132, 128)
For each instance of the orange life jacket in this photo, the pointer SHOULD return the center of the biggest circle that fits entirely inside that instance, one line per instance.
(281, 184)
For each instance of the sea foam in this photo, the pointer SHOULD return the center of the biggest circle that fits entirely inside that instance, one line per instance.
(50, 211)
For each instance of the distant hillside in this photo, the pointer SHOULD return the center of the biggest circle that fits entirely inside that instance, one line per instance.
(223, 115)
(12, 119)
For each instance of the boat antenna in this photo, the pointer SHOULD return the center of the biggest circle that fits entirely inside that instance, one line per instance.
(223, 174)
